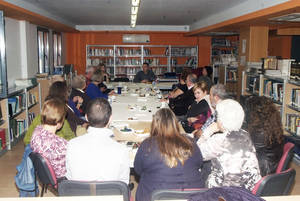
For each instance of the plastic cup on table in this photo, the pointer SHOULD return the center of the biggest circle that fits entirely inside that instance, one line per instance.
(119, 90)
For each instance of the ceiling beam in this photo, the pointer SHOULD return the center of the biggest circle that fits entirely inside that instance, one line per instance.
(288, 31)
(18, 13)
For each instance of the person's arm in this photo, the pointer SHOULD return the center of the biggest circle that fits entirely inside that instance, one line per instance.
(211, 145)
(138, 160)
(66, 131)
(125, 167)
(36, 121)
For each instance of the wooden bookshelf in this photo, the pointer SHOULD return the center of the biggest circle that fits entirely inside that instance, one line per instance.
(289, 108)
(17, 115)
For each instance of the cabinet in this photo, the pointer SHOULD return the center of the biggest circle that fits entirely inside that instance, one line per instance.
(18, 110)
(126, 60)
(224, 52)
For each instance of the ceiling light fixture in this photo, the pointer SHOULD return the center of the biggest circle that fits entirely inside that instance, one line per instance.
(134, 12)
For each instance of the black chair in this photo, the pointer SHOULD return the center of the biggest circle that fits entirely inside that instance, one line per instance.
(286, 158)
(43, 171)
(275, 184)
(82, 188)
(183, 194)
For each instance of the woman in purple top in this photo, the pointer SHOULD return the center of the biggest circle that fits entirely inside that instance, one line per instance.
(167, 159)
(44, 140)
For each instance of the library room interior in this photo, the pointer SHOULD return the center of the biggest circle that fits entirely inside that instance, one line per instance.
(148, 100)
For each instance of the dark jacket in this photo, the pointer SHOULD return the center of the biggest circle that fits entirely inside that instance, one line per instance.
(155, 174)
(181, 103)
(84, 96)
(268, 156)
(73, 120)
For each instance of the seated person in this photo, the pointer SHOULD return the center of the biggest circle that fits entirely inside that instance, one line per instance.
(65, 132)
(231, 151)
(181, 103)
(62, 91)
(146, 75)
(89, 73)
(263, 122)
(95, 156)
(44, 140)
(92, 89)
(199, 111)
(106, 78)
(206, 76)
(179, 88)
(78, 86)
(167, 159)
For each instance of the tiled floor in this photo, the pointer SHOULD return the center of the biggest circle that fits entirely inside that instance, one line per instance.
(11, 159)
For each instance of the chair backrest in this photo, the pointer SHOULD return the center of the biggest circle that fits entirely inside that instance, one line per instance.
(174, 194)
(275, 184)
(43, 169)
(83, 188)
(286, 157)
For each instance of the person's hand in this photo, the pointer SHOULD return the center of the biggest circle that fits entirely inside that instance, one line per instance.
(111, 93)
(102, 89)
(213, 128)
(78, 100)
(197, 133)
(85, 125)
(144, 81)
(163, 100)
(192, 119)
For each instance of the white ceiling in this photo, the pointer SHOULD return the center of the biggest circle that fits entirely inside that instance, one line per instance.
(117, 12)
(187, 15)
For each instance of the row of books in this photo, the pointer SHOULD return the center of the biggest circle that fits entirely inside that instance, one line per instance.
(97, 61)
(231, 75)
(191, 51)
(273, 89)
(3, 139)
(101, 52)
(32, 98)
(295, 98)
(16, 104)
(128, 62)
(252, 84)
(293, 123)
(223, 42)
(18, 127)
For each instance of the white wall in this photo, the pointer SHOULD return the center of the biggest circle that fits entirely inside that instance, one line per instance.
(13, 53)
(22, 49)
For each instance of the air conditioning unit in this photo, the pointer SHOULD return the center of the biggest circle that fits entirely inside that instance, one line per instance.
(136, 38)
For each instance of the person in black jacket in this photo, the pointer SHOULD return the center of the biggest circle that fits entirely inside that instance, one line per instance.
(181, 103)
(78, 86)
(263, 122)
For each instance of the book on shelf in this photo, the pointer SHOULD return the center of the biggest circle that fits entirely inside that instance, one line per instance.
(293, 123)
(273, 90)
(295, 98)
(16, 104)
(3, 138)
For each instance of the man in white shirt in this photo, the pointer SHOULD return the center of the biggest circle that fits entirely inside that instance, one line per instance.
(95, 156)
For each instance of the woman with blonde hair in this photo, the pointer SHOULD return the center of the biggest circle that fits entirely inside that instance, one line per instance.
(167, 159)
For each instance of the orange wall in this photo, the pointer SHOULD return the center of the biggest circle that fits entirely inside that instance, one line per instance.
(76, 44)
(280, 46)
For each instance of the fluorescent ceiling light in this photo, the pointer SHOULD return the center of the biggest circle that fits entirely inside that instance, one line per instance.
(135, 3)
(134, 10)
